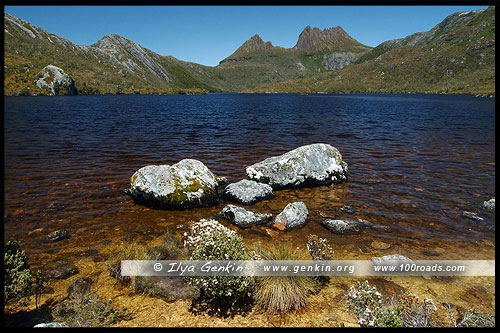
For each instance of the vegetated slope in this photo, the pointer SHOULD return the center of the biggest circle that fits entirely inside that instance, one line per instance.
(456, 56)
(113, 65)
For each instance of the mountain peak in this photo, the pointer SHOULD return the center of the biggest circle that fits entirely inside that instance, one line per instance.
(253, 44)
(314, 40)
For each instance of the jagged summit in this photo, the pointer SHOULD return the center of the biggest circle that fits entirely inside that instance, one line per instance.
(253, 44)
(335, 39)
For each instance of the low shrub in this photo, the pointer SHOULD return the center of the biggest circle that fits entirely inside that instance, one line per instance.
(470, 319)
(18, 279)
(282, 294)
(85, 308)
(210, 240)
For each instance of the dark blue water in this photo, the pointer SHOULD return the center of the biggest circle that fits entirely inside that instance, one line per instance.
(415, 161)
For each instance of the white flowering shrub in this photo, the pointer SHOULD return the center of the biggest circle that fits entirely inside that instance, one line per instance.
(405, 311)
(366, 302)
(210, 240)
(319, 248)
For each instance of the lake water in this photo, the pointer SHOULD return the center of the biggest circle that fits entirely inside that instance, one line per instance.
(416, 162)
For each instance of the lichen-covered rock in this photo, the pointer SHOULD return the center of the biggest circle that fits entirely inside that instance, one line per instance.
(489, 205)
(344, 227)
(311, 165)
(243, 218)
(186, 184)
(247, 192)
(56, 81)
(293, 216)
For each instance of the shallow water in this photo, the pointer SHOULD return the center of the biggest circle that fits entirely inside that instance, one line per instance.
(415, 163)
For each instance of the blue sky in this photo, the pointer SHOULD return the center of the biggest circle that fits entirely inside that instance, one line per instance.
(208, 34)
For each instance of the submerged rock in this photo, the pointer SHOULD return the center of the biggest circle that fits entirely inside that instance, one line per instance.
(58, 235)
(61, 270)
(489, 205)
(247, 192)
(243, 218)
(312, 165)
(472, 215)
(293, 216)
(186, 184)
(344, 227)
(346, 209)
(393, 260)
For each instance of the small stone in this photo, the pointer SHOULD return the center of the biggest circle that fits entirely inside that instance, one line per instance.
(58, 235)
(489, 205)
(472, 215)
(346, 209)
(344, 227)
(271, 233)
(247, 192)
(293, 216)
(243, 218)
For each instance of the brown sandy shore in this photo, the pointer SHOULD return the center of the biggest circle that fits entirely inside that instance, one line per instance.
(326, 309)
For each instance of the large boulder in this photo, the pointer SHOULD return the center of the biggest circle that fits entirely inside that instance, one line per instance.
(293, 216)
(53, 80)
(247, 192)
(186, 184)
(312, 165)
(243, 218)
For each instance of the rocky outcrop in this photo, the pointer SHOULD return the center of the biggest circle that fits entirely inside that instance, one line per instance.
(338, 60)
(314, 40)
(186, 184)
(489, 205)
(312, 165)
(56, 81)
(293, 216)
(247, 192)
(344, 227)
(243, 218)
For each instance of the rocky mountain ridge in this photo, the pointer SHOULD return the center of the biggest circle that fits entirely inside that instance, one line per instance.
(457, 53)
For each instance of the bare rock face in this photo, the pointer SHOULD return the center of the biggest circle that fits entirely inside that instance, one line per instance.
(314, 40)
(247, 192)
(312, 165)
(56, 81)
(243, 218)
(293, 216)
(186, 184)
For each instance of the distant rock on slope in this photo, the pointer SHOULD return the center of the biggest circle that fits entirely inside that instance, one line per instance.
(54, 79)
